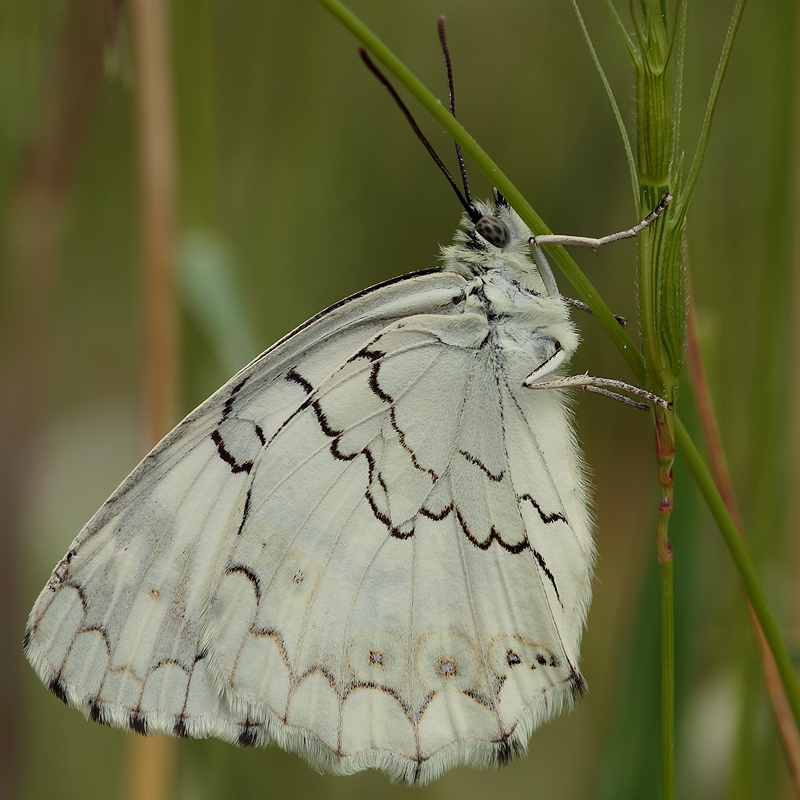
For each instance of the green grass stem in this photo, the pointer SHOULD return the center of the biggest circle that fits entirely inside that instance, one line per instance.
(667, 679)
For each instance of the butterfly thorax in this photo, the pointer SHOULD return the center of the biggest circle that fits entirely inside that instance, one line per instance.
(505, 286)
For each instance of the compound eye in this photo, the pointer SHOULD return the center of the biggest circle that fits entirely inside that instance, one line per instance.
(494, 230)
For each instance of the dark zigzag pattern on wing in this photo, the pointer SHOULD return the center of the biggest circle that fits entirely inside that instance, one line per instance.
(486, 471)
(219, 441)
(514, 549)
(375, 357)
(556, 516)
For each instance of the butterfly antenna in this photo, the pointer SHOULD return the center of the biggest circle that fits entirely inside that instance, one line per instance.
(420, 135)
(450, 87)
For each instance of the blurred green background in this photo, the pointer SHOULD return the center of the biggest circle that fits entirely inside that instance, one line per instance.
(299, 183)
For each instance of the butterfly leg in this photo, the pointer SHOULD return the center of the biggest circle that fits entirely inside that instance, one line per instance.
(579, 304)
(601, 386)
(546, 273)
(548, 366)
(586, 241)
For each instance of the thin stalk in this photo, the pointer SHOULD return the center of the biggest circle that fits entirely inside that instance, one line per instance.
(661, 292)
(155, 140)
(667, 673)
(665, 457)
(152, 759)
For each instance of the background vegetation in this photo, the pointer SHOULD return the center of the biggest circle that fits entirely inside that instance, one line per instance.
(299, 183)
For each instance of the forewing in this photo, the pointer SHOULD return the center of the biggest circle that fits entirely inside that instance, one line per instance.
(117, 630)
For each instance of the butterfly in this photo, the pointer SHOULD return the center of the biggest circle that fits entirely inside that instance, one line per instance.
(372, 546)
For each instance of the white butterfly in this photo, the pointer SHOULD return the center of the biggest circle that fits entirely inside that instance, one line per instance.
(371, 546)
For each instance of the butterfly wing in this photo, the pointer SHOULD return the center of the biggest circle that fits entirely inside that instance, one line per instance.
(370, 546)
